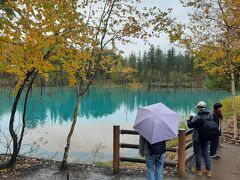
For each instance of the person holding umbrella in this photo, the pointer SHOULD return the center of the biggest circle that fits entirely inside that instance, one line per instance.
(154, 157)
(155, 123)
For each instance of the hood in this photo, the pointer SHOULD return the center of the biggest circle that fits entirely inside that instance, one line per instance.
(203, 111)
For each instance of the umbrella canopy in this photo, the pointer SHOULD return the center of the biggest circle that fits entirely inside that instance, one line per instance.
(157, 123)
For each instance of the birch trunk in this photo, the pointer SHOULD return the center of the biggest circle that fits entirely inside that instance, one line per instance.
(234, 110)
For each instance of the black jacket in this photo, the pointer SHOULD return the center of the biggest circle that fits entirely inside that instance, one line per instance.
(217, 119)
(197, 121)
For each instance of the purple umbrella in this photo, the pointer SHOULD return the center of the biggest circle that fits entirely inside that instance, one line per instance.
(157, 123)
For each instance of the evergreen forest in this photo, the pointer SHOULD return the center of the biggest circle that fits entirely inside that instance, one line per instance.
(152, 69)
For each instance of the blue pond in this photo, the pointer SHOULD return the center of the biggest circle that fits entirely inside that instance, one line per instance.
(50, 114)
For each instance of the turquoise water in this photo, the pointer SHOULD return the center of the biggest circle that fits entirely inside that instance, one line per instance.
(50, 115)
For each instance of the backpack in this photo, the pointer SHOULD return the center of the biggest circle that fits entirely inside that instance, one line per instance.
(157, 148)
(208, 130)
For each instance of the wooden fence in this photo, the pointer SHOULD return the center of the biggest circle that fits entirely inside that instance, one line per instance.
(180, 150)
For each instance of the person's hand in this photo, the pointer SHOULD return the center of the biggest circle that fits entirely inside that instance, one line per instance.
(190, 118)
(189, 122)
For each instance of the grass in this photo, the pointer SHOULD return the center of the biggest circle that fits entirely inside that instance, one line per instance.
(104, 163)
(227, 107)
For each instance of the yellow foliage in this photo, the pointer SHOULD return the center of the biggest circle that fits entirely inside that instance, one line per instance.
(128, 70)
(39, 36)
(135, 85)
(214, 34)
(48, 34)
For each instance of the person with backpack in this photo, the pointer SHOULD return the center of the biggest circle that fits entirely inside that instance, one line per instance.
(154, 157)
(217, 116)
(203, 128)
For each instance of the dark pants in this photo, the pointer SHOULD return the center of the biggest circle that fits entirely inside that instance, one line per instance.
(214, 145)
(201, 149)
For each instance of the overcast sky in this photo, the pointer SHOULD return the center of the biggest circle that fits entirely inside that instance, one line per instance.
(178, 11)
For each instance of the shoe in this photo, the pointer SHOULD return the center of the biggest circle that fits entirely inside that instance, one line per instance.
(216, 157)
(195, 171)
(208, 173)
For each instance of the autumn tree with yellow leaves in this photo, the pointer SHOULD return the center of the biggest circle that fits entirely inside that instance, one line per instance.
(38, 34)
(110, 22)
(213, 37)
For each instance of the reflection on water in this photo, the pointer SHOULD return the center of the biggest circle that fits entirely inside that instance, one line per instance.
(50, 115)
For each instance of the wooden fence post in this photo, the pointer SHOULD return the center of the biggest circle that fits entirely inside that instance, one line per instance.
(116, 149)
(181, 152)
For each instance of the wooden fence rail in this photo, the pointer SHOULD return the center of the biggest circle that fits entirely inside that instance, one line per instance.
(180, 150)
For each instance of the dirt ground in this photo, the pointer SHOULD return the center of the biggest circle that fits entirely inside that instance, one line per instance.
(49, 170)
(228, 167)
(37, 169)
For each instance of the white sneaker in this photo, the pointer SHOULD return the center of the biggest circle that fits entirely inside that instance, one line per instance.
(216, 157)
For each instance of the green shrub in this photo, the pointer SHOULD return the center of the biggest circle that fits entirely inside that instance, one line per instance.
(227, 107)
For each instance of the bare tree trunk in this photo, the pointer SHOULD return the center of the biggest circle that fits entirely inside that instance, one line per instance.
(13, 134)
(41, 87)
(81, 92)
(233, 92)
(24, 112)
(65, 156)
(149, 80)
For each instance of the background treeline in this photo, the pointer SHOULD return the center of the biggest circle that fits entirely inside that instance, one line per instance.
(155, 68)
(152, 69)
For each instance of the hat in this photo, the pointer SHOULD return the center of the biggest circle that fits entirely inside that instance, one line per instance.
(217, 105)
(201, 104)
